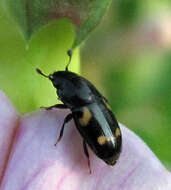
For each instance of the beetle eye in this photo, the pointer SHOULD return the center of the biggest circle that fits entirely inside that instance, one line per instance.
(51, 77)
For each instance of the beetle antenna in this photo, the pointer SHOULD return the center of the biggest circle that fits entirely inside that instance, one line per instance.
(40, 72)
(69, 52)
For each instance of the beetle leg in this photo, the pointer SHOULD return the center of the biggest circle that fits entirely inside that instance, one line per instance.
(66, 120)
(105, 99)
(58, 106)
(87, 154)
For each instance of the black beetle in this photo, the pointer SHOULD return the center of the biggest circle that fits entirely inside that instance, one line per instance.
(91, 112)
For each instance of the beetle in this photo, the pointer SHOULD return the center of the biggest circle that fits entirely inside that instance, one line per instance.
(91, 113)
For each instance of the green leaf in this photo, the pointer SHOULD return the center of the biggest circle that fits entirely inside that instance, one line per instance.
(19, 80)
(31, 15)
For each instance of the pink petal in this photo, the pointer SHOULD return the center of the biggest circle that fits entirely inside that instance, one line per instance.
(35, 164)
(8, 124)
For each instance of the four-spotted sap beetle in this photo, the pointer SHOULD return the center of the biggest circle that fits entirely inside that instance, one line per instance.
(91, 112)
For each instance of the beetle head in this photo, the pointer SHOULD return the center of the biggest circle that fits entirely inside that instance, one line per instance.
(70, 89)
(52, 77)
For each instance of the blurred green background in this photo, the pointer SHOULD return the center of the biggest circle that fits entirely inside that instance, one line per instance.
(128, 58)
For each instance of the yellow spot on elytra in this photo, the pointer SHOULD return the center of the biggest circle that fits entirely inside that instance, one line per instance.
(107, 105)
(84, 120)
(117, 132)
(103, 139)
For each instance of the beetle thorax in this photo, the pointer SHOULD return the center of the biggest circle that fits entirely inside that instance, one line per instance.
(71, 89)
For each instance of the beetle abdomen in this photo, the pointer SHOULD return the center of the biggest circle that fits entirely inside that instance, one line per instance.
(100, 130)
